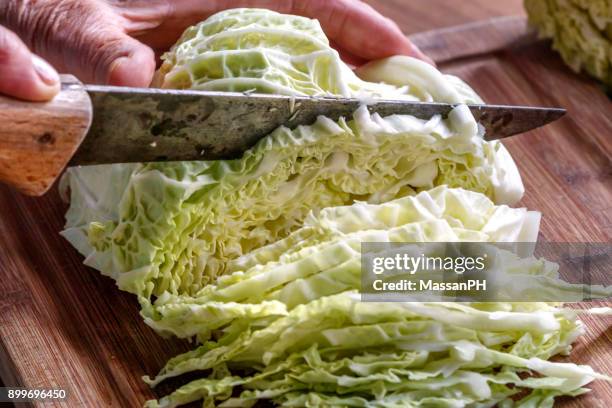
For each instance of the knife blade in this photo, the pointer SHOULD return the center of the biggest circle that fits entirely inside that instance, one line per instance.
(144, 124)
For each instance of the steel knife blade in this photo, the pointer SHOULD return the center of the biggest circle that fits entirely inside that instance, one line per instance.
(146, 124)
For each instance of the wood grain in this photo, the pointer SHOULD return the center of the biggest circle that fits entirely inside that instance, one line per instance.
(566, 168)
(64, 325)
(37, 139)
(466, 40)
(415, 16)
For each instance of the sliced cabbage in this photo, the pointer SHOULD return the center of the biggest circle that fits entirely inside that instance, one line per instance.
(322, 258)
(287, 324)
(342, 352)
(581, 31)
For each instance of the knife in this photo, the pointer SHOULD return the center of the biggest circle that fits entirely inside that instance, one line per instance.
(90, 124)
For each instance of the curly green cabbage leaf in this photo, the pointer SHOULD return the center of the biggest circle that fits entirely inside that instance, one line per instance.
(287, 324)
(581, 31)
(256, 50)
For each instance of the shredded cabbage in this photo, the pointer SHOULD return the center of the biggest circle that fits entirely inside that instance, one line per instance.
(290, 318)
(323, 257)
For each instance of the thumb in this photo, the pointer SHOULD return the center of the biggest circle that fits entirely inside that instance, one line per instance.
(22, 74)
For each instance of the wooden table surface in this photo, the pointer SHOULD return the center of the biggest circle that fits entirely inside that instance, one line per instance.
(64, 325)
(414, 16)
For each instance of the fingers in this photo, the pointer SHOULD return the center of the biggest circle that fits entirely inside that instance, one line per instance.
(22, 74)
(359, 29)
(119, 60)
(354, 26)
(350, 59)
(85, 38)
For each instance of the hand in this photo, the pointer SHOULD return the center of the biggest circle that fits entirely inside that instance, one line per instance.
(115, 42)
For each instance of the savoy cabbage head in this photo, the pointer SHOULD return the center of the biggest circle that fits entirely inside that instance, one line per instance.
(173, 227)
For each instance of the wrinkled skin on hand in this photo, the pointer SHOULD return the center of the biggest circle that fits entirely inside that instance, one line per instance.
(116, 42)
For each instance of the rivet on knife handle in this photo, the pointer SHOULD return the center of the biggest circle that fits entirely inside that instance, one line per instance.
(37, 139)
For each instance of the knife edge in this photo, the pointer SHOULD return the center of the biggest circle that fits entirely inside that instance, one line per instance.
(148, 124)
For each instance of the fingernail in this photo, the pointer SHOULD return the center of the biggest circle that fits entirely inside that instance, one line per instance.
(45, 71)
(116, 72)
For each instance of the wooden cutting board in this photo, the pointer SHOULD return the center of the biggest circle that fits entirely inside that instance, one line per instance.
(63, 325)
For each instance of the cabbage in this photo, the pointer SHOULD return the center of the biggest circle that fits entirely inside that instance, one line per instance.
(172, 227)
(581, 31)
(252, 50)
(323, 257)
(258, 257)
(338, 351)
(257, 50)
(289, 317)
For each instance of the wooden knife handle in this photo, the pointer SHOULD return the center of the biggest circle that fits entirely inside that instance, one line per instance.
(37, 139)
